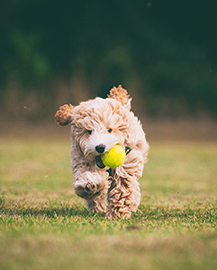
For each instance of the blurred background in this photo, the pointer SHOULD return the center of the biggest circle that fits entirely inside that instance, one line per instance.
(163, 52)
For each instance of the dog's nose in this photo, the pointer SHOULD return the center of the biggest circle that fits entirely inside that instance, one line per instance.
(100, 148)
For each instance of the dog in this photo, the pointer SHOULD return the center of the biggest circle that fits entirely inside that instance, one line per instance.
(96, 126)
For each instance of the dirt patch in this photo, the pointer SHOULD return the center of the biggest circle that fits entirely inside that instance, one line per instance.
(204, 130)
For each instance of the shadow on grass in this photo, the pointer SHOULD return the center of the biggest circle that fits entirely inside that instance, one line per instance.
(145, 213)
(48, 211)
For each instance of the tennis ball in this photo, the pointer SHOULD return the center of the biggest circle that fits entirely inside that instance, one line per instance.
(114, 157)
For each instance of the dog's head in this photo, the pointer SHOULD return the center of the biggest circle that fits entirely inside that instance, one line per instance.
(99, 124)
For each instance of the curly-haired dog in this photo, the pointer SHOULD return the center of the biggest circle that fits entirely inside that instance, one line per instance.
(96, 126)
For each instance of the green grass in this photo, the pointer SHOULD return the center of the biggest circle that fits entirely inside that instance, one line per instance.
(44, 225)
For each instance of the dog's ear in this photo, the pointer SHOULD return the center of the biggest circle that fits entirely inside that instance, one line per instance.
(120, 94)
(64, 115)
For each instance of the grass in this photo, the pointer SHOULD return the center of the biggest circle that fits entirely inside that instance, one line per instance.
(44, 225)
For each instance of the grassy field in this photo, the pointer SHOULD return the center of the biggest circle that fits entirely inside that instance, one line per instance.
(44, 225)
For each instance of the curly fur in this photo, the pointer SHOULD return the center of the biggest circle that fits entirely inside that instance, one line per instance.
(106, 122)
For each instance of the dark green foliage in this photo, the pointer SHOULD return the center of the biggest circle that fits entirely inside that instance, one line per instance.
(164, 49)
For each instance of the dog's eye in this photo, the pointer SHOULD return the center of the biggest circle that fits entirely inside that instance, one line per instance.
(89, 131)
(109, 130)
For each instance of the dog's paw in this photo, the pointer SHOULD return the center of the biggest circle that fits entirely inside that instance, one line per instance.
(90, 184)
(92, 188)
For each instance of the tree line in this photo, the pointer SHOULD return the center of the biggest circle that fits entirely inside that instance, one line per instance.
(165, 50)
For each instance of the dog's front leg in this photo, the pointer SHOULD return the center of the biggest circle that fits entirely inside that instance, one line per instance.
(124, 192)
(99, 203)
(93, 187)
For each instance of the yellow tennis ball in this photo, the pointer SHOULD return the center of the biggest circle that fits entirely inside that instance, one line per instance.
(114, 157)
